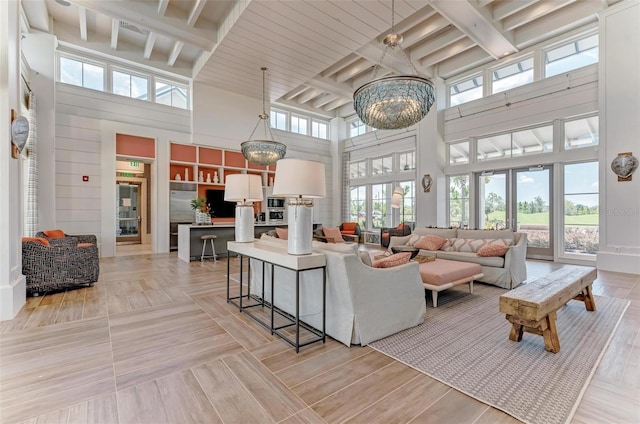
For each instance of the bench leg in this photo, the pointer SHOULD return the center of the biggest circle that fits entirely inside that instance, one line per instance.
(516, 332)
(589, 301)
(550, 334)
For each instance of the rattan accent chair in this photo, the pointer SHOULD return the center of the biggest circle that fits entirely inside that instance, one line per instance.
(67, 262)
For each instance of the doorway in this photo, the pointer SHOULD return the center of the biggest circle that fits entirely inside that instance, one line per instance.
(129, 213)
(520, 199)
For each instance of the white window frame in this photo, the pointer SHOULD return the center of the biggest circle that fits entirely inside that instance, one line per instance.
(563, 43)
(83, 60)
(151, 97)
(327, 124)
(173, 85)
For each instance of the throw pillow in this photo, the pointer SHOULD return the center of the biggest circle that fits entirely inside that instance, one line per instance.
(85, 244)
(282, 233)
(333, 233)
(349, 226)
(53, 233)
(493, 250)
(365, 257)
(413, 239)
(393, 260)
(473, 245)
(44, 241)
(430, 242)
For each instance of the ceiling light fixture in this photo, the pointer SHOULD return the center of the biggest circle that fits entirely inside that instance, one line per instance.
(263, 152)
(397, 101)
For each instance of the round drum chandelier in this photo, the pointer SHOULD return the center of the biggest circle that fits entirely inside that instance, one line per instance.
(265, 151)
(394, 102)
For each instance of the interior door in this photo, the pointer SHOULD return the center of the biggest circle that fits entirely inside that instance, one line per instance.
(533, 209)
(128, 213)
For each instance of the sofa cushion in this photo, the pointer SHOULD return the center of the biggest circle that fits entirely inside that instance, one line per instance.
(393, 260)
(333, 233)
(485, 234)
(53, 233)
(491, 261)
(442, 232)
(475, 244)
(44, 241)
(442, 272)
(282, 233)
(336, 247)
(349, 226)
(430, 242)
(365, 257)
(493, 250)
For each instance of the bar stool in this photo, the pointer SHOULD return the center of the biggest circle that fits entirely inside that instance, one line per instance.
(204, 239)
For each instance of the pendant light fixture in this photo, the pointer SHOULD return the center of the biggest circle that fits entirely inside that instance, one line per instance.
(394, 102)
(265, 151)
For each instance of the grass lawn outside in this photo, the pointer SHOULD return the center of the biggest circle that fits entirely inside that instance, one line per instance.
(543, 218)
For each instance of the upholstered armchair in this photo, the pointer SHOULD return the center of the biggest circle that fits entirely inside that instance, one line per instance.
(350, 230)
(399, 231)
(52, 264)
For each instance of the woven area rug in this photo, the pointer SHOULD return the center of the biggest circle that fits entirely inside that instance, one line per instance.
(464, 343)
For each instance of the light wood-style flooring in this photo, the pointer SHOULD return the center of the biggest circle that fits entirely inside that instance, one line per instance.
(154, 341)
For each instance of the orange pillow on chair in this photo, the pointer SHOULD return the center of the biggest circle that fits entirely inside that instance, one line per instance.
(44, 241)
(349, 226)
(54, 233)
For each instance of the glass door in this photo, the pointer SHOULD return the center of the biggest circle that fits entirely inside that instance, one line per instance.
(128, 213)
(492, 200)
(532, 209)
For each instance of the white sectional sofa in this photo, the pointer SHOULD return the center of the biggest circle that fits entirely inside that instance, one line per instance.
(364, 304)
(506, 272)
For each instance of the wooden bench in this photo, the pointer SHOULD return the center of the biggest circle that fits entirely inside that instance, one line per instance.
(532, 306)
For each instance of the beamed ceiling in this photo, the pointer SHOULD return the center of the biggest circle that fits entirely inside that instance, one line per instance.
(317, 51)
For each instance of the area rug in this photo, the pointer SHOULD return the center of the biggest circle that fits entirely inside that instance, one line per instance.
(464, 344)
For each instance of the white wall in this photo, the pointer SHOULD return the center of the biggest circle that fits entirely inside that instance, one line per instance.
(619, 132)
(12, 282)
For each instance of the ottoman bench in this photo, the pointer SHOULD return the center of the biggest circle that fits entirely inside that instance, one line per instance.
(443, 274)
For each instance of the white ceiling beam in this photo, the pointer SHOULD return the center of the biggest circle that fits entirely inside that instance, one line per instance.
(37, 15)
(82, 22)
(148, 45)
(115, 28)
(309, 94)
(466, 60)
(336, 104)
(508, 8)
(196, 10)
(476, 25)
(448, 52)
(534, 12)
(175, 52)
(296, 92)
(352, 70)
(323, 100)
(340, 65)
(327, 84)
(162, 7)
(436, 43)
(427, 28)
(392, 61)
(143, 14)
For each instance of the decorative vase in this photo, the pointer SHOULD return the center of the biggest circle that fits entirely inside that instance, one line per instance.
(215, 177)
(208, 177)
(201, 176)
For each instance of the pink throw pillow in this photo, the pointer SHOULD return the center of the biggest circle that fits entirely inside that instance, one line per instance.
(282, 233)
(430, 242)
(493, 250)
(333, 233)
(393, 260)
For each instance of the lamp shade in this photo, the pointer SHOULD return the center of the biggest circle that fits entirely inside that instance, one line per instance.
(243, 188)
(299, 178)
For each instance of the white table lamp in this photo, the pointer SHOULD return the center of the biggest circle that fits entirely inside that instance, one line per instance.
(243, 189)
(301, 181)
(396, 199)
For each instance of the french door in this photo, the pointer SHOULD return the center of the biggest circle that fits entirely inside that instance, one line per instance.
(520, 199)
(128, 209)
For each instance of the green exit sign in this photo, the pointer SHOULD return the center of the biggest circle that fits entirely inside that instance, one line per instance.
(127, 174)
(134, 163)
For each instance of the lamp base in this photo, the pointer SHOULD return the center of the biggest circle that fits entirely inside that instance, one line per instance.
(244, 224)
(300, 218)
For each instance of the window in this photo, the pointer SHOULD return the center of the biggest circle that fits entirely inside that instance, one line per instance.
(381, 215)
(513, 75)
(299, 124)
(171, 94)
(279, 120)
(465, 91)
(459, 200)
(357, 127)
(581, 133)
(407, 161)
(82, 74)
(573, 55)
(407, 207)
(581, 208)
(383, 165)
(129, 85)
(458, 153)
(358, 169)
(358, 205)
(319, 129)
(519, 143)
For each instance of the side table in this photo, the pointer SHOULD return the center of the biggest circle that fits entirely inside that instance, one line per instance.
(371, 237)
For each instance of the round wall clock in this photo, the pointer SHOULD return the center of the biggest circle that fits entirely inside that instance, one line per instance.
(20, 132)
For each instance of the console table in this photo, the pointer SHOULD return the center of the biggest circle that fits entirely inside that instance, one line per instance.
(276, 256)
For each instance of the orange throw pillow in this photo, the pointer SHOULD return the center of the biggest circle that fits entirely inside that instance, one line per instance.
(85, 244)
(393, 260)
(44, 241)
(430, 242)
(53, 233)
(282, 233)
(333, 233)
(349, 226)
(493, 250)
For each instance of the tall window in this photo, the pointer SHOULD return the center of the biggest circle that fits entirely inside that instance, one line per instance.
(518, 143)
(513, 75)
(581, 208)
(573, 55)
(358, 169)
(581, 132)
(358, 205)
(383, 165)
(357, 127)
(81, 73)
(407, 207)
(129, 85)
(459, 200)
(465, 91)
(319, 129)
(279, 120)
(171, 94)
(381, 215)
(458, 153)
(407, 161)
(299, 124)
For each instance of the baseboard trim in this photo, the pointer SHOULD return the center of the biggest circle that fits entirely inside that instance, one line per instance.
(12, 298)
